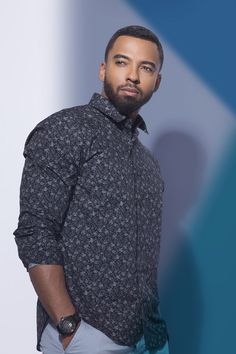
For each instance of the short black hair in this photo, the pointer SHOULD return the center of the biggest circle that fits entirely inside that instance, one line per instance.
(138, 32)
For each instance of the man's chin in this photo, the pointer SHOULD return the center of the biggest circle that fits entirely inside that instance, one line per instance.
(124, 103)
(127, 100)
(126, 108)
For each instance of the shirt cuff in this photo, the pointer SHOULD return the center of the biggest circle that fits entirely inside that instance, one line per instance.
(31, 265)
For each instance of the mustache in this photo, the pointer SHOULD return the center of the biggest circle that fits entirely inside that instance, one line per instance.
(134, 87)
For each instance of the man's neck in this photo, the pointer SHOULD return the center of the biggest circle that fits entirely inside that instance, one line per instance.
(133, 115)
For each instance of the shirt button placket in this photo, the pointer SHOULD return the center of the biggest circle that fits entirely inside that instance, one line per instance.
(132, 153)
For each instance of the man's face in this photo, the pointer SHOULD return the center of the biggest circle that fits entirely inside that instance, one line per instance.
(131, 73)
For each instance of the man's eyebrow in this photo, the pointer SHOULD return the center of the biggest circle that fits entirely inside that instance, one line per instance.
(118, 56)
(149, 63)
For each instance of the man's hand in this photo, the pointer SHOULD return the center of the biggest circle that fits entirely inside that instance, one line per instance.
(65, 340)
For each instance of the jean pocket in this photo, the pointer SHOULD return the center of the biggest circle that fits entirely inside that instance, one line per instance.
(75, 339)
(50, 341)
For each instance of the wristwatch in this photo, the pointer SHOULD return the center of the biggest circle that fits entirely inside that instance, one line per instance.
(67, 324)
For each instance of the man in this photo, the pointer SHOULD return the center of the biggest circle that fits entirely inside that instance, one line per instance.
(90, 212)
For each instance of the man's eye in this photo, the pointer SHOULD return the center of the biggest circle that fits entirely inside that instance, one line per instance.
(120, 62)
(147, 68)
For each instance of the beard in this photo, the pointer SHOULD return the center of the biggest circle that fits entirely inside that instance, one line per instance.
(125, 105)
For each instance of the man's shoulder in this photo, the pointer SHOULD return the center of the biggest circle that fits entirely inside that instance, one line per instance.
(68, 118)
(68, 126)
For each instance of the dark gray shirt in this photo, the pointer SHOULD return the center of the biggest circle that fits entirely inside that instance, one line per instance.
(91, 200)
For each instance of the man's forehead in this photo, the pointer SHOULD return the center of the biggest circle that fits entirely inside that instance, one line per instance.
(137, 47)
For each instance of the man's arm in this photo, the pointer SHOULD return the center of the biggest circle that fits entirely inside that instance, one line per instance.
(47, 185)
(48, 179)
(49, 283)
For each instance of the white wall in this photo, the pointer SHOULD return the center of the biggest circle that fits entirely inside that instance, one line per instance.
(30, 71)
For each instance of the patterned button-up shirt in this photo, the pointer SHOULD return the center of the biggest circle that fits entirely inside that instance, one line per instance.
(91, 200)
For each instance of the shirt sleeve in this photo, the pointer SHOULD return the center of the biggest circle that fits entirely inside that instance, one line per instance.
(48, 180)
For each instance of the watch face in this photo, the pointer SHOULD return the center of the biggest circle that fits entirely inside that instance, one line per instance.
(67, 325)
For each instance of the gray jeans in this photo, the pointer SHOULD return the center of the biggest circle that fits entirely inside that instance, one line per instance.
(88, 340)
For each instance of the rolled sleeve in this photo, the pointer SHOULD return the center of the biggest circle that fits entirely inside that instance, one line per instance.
(48, 179)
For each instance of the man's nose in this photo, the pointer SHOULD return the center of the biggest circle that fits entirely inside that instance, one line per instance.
(133, 75)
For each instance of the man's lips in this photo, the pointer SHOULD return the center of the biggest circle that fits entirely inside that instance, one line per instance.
(129, 90)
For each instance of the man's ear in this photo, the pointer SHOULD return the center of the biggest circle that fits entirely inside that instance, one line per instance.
(102, 70)
(158, 81)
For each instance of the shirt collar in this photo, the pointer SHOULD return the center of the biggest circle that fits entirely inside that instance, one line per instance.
(103, 105)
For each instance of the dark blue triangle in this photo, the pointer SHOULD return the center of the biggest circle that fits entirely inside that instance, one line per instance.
(203, 33)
